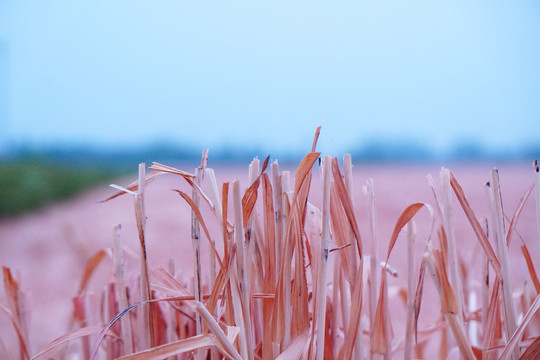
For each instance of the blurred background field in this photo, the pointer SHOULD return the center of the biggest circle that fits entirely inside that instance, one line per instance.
(88, 90)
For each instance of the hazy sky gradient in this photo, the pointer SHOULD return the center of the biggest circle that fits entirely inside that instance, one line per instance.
(265, 74)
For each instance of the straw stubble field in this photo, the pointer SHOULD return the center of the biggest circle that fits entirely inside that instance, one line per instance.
(297, 281)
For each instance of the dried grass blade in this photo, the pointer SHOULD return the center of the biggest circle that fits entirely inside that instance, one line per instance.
(171, 170)
(86, 331)
(217, 331)
(379, 338)
(91, 266)
(533, 351)
(493, 323)
(250, 196)
(403, 219)
(304, 169)
(480, 235)
(516, 215)
(161, 275)
(198, 342)
(418, 297)
(339, 225)
(22, 340)
(516, 336)
(346, 201)
(355, 317)
(11, 287)
(530, 267)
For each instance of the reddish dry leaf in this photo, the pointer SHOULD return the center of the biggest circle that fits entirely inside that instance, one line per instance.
(448, 296)
(516, 336)
(91, 266)
(530, 266)
(250, 196)
(403, 219)
(203, 224)
(161, 275)
(347, 203)
(304, 169)
(339, 225)
(328, 353)
(481, 236)
(418, 297)
(11, 287)
(378, 340)
(171, 170)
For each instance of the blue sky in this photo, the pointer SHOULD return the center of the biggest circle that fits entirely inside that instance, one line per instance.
(265, 74)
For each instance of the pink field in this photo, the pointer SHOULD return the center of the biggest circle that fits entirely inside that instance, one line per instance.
(48, 248)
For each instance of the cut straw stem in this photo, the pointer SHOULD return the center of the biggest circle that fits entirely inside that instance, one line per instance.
(195, 242)
(241, 268)
(277, 194)
(325, 240)
(211, 176)
(409, 331)
(452, 249)
(147, 318)
(374, 271)
(348, 173)
(500, 236)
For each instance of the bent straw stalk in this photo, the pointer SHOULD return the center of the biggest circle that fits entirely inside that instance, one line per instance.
(147, 318)
(500, 236)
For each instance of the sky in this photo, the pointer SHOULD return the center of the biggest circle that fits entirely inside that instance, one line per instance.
(264, 75)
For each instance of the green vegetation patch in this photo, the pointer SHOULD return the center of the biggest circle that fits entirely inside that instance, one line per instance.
(29, 184)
